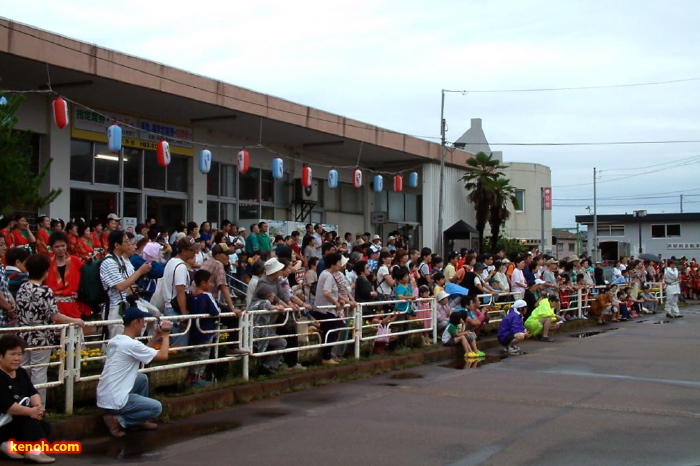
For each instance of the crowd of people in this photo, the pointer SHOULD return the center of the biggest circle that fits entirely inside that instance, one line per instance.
(315, 275)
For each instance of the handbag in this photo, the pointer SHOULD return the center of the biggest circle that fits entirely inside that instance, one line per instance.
(6, 418)
(383, 334)
(173, 302)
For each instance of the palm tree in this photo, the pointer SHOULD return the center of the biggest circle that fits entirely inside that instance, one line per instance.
(482, 171)
(503, 196)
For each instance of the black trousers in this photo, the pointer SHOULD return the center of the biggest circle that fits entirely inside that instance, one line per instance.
(25, 429)
(327, 326)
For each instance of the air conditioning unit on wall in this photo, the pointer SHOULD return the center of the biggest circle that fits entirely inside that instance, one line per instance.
(309, 194)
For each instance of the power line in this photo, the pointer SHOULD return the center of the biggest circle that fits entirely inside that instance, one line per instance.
(631, 176)
(578, 88)
(609, 143)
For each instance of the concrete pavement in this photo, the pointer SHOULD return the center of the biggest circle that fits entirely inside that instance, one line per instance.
(626, 396)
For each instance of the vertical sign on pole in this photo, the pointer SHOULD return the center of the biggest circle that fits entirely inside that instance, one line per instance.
(546, 204)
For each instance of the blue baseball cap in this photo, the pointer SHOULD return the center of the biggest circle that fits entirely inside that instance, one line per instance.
(134, 313)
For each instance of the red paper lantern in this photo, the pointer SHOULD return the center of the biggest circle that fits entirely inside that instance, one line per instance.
(357, 178)
(398, 183)
(243, 161)
(60, 112)
(306, 177)
(163, 151)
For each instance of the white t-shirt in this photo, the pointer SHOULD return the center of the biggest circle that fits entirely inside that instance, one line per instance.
(384, 286)
(182, 277)
(124, 354)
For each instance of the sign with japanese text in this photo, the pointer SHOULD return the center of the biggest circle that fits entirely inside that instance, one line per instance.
(92, 125)
(547, 198)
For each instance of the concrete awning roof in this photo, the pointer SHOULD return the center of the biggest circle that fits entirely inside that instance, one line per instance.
(111, 80)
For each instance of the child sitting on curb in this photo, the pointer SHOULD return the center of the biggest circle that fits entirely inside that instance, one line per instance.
(454, 334)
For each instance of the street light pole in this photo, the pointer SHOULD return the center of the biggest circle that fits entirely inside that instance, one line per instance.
(441, 201)
(639, 214)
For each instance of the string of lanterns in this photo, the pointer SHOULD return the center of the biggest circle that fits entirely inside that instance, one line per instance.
(114, 144)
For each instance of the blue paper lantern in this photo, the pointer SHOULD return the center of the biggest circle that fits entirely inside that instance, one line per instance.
(3, 100)
(413, 180)
(205, 161)
(333, 179)
(277, 168)
(114, 138)
(378, 184)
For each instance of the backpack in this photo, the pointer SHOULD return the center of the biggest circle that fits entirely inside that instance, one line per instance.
(90, 289)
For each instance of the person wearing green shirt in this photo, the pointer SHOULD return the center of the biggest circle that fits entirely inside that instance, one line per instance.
(543, 318)
(263, 237)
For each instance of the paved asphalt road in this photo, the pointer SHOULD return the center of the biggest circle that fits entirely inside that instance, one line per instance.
(630, 395)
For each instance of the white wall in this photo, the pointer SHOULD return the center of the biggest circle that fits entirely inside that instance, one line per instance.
(527, 224)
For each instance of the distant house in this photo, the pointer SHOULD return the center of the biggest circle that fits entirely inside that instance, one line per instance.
(566, 243)
(659, 234)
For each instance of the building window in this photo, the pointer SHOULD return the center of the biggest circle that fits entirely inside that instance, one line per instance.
(611, 230)
(666, 231)
(571, 247)
(520, 196)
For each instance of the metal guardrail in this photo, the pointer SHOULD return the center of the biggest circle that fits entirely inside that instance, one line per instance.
(73, 339)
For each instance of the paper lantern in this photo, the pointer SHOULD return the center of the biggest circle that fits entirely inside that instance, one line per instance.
(60, 112)
(357, 178)
(3, 100)
(163, 152)
(243, 161)
(205, 161)
(333, 179)
(378, 184)
(398, 183)
(114, 138)
(277, 168)
(413, 180)
(306, 177)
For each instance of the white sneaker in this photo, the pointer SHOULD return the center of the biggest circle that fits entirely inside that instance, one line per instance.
(5, 449)
(513, 350)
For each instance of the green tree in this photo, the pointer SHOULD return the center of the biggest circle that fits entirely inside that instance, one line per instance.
(503, 196)
(482, 172)
(20, 186)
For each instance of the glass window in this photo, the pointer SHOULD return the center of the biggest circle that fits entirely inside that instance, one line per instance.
(411, 208)
(380, 201)
(106, 165)
(267, 185)
(673, 231)
(267, 212)
(132, 168)
(213, 179)
(228, 181)
(351, 199)
(177, 173)
(213, 212)
(249, 189)
(132, 205)
(228, 212)
(154, 174)
(611, 230)
(248, 211)
(571, 246)
(396, 206)
(80, 161)
(282, 193)
(520, 196)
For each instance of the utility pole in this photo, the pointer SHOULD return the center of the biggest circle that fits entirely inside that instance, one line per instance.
(595, 218)
(681, 203)
(441, 202)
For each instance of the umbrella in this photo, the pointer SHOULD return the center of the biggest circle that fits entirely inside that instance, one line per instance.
(649, 257)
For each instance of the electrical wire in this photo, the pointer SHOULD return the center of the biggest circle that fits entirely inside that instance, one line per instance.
(579, 88)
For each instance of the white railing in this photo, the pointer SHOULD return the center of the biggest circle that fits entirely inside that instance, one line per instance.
(76, 347)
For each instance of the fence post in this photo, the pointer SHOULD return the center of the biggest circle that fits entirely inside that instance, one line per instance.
(580, 303)
(246, 343)
(358, 329)
(68, 349)
(433, 319)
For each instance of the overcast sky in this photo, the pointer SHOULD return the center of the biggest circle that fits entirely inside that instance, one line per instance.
(385, 63)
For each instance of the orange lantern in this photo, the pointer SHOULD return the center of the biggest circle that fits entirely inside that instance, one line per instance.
(243, 161)
(398, 183)
(306, 177)
(163, 152)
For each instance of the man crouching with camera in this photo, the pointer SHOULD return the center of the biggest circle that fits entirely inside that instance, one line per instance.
(122, 391)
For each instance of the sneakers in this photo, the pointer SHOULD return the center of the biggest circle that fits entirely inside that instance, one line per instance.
(145, 426)
(471, 355)
(38, 457)
(547, 339)
(330, 362)
(5, 449)
(481, 354)
(113, 425)
(297, 367)
(201, 383)
(513, 350)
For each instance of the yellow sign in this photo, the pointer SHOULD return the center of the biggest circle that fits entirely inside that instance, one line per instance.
(91, 125)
